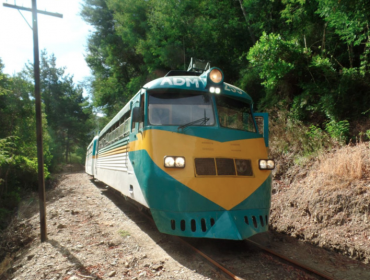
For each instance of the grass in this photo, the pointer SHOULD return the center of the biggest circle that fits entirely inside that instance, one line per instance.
(123, 233)
(346, 165)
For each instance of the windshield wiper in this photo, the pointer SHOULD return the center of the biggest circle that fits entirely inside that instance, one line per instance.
(202, 121)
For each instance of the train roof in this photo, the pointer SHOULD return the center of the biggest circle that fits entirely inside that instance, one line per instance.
(184, 80)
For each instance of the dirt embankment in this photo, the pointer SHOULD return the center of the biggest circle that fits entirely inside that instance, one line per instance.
(327, 202)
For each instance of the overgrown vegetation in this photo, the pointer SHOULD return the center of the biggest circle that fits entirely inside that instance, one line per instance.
(66, 125)
(307, 60)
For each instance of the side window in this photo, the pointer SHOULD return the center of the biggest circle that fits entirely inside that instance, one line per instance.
(141, 124)
(136, 104)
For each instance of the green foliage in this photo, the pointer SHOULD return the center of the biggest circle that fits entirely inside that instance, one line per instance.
(309, 59)
(292, 137)
(274, 57)
(65, 116)
(67, 111)
(338, 130)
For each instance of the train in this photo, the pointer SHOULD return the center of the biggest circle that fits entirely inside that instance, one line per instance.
(189, 147)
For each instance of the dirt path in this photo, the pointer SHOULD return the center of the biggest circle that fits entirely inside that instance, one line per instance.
(94, 235)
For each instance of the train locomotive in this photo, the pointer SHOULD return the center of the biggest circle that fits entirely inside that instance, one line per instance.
(187, 147)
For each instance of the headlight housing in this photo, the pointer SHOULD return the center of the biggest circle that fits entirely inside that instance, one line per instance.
(266, 164)
(174, 162)
(216, 76)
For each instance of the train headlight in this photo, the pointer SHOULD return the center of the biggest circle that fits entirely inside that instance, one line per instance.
(180, 162)
(170, 161)
(216, 76)
(266, 164)
(218, 90)
(270, 164)
(212, 89)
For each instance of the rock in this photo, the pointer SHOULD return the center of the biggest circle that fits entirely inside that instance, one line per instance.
(74, 278)
(127, 265)
(60, 226)
(75, 212)
(157, 267)
(142, 274)
(114, 242)
(30, 257)
(111, 274)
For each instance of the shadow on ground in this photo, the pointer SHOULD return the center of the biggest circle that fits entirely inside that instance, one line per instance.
(174, 246)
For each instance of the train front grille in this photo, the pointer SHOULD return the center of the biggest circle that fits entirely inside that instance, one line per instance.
(223, 167)
(205, 166)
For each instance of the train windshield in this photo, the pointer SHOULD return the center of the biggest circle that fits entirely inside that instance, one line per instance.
(180, 109)
(235, 114)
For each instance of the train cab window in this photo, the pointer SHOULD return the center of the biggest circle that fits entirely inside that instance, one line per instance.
(180, 109)
(235, 114)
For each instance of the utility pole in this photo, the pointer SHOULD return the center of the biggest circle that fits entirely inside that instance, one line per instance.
(40, 153)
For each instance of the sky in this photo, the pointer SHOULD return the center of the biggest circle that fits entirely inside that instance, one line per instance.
(66, 38)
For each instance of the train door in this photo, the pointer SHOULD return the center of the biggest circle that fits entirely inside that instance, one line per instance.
(136, 134)
(262, 120)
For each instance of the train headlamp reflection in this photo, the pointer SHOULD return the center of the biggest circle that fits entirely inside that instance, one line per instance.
(171, 161)
(266, 164)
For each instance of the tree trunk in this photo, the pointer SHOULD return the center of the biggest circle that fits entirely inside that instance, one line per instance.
(324, 38)
(67, 147)
(249, 25)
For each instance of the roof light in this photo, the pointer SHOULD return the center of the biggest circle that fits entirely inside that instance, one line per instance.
(216, 76)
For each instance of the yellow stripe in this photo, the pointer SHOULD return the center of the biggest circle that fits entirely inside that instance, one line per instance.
(116, 151)
(224, 191)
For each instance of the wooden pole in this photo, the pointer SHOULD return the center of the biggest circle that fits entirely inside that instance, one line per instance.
(40, 153)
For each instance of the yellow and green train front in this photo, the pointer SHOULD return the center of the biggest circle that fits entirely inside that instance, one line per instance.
(201, 178)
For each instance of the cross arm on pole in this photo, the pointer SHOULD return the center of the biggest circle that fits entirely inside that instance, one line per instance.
(30, 10)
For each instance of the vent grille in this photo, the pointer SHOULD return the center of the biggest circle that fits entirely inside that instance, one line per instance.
(223, 167)
(244, 167)
(205, 166)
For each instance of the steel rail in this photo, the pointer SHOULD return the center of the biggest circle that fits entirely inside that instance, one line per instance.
(219, 266)
(225, 270)
(321, 274)
(213, 262)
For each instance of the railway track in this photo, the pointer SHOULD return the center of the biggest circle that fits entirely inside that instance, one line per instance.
(280, 259)
(230, 274)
